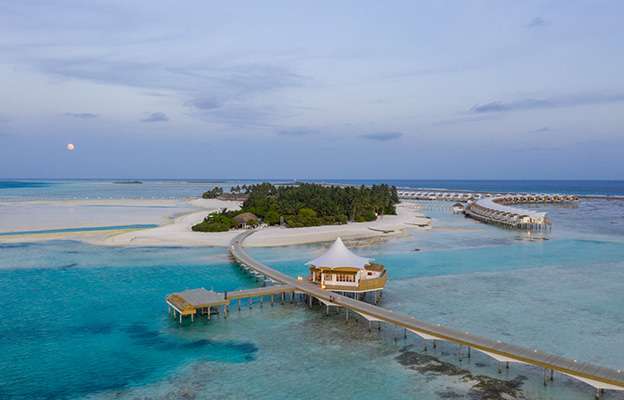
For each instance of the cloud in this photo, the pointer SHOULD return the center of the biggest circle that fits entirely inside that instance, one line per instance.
(205, 103)
(156, 117)
(499, 106)
(382, 136)
(209, 83)
(81, 115)
(211, 86)
(538, 149)
(541, 130)
(295, 132)
(466, 119)
(537, 22)
(553, 102)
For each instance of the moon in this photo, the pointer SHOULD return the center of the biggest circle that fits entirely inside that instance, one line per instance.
(71, 146)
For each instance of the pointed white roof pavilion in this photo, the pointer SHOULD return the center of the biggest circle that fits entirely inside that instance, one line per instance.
(339, 256)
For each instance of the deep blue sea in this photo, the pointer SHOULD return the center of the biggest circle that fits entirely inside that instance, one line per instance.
(82, 321)
(179, 188)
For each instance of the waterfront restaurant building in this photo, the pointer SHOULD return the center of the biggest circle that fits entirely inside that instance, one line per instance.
(340, 270)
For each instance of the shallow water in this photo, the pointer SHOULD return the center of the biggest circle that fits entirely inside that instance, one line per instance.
(83, 321)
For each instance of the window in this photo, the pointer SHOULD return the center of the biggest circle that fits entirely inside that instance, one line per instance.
(345, 278)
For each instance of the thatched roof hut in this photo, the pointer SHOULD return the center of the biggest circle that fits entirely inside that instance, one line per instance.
(244, 219)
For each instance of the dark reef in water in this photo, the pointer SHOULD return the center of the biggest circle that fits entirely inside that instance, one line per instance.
(483, 388)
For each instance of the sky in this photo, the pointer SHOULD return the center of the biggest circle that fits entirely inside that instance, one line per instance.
(434, 89)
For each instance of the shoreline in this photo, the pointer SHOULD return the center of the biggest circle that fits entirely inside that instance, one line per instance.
(175, 219)
(179, 232)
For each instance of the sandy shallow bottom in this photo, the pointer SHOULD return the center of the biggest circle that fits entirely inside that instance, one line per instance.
(559, 295)
(175, 219)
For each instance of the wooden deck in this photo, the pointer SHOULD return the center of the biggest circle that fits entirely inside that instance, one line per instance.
(596, 376)
(366, 285)
(201, 301)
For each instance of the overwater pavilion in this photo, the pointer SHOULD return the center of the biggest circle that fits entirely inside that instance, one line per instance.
(195, 301)
(340, 270)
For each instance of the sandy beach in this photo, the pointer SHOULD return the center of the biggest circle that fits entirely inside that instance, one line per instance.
(175, 219)
(179, 232)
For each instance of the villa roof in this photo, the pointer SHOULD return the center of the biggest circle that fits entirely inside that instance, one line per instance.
(196, 297)
(491, 204)
(245, 217)
(339, 256)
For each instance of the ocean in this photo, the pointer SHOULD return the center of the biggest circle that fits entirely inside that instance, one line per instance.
(180, 188)
(82, 321)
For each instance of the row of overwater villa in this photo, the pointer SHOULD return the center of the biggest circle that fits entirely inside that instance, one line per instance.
(496, 208)
(444, 195)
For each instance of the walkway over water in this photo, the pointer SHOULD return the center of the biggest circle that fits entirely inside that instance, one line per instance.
(201, 301)
(596, 376)
(496, 208)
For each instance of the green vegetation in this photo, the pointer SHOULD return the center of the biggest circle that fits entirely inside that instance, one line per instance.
(309, 204)
(302, 205)
(213, 193)
(225, 220)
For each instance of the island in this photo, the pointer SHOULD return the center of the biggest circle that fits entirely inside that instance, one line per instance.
(297, 206)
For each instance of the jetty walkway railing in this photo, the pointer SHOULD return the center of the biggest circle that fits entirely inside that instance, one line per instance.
(497, 208)
(600, 378)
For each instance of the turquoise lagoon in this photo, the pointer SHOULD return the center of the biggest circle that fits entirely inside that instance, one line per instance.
(80, 321)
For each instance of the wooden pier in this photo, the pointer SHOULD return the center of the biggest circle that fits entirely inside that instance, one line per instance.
(600, 378)
(464, 196)
(498, 208)
(198, 302)
(204, 302)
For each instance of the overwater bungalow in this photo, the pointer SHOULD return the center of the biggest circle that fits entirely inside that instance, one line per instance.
(458, 208)
(340, 270)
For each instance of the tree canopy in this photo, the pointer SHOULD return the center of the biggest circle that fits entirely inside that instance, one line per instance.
(309, 204)
(213, 193)
(221, 221)
(305, 204)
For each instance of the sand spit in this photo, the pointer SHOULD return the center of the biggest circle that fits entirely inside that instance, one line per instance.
(177, 217)
(179, 232)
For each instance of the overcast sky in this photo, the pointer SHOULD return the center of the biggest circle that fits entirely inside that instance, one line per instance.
(416, 89)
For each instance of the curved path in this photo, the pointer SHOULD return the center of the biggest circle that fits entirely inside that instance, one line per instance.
(598, 377)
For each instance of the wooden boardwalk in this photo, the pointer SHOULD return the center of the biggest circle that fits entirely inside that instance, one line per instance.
(599, 377)
(203, 302)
